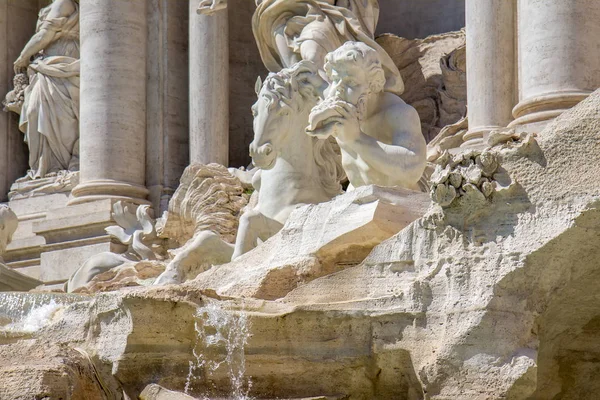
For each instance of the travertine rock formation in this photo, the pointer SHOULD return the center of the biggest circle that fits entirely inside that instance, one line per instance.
(434, 72)
(47, 371)
(495, 302)
(500, 298)
(317, 240)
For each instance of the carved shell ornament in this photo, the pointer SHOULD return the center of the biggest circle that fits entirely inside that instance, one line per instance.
(135, 229)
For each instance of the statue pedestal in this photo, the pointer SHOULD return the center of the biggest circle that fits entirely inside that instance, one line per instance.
(54, 239)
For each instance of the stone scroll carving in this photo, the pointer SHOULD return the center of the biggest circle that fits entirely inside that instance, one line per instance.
(46, 96)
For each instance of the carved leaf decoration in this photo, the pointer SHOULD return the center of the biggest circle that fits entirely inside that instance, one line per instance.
(472, 174)
(456, 179)
(258, 85)
(444, 195)
(473, 192)
(488, 162)
(487, 188)
(440, 175)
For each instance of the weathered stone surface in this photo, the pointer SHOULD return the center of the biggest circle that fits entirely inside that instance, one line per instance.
(500, 299)
(434, 72)
(35, 370)
(156, 392)
(128, 274)
(317, 240)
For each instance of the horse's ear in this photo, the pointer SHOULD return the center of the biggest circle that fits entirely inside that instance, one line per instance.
(316, 81)
(258, 85)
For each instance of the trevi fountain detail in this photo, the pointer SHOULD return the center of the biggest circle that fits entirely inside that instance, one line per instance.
(299, 199)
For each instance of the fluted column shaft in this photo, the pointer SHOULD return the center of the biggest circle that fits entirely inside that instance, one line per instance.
(209, 86)
(113, 100)
(559, 56)
(490, 65)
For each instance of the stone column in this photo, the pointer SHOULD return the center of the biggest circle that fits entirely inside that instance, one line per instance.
(559, 57)
(113, 101)
(490, 65)
(167, 141)
(209, 86)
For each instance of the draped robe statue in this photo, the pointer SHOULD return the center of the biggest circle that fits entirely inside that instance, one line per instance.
(288, 31)
(50, 112)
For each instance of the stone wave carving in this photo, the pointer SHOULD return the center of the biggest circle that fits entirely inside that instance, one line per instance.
(209, 198)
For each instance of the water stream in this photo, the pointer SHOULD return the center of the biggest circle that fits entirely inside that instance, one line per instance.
(29, 312)
(221, 338)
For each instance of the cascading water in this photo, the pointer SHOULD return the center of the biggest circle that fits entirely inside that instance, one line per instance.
(221, 338)
(29, 312)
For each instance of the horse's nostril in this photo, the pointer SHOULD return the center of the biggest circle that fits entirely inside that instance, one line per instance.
(268, 149)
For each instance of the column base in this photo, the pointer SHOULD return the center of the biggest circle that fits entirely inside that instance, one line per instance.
(545, 107)
(107, 189)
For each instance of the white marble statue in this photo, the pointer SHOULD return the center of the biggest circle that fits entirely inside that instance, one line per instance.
(135, 229)
(50, 112)
(294, 168)
(287, 31)
(379, 134)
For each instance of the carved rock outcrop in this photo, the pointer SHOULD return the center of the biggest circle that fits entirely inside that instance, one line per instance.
(316, 240)
(434, 72)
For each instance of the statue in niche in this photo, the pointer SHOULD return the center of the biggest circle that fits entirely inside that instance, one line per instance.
(288, 31)
(49, 104)
(378, 133)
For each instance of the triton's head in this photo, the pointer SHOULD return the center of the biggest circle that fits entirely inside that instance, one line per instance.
(355, 70)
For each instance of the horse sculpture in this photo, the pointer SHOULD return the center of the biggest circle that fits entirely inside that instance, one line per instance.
(294, 168)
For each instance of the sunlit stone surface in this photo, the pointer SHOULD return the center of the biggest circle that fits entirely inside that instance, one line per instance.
(274, 203)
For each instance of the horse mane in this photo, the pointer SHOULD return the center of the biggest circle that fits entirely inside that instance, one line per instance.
(329, 161)
(284, 86)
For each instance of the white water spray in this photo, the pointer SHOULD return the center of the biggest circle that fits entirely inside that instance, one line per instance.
(221, 338)
(29, 312)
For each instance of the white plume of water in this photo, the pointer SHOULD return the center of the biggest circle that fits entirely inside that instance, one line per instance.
(35, 319)
(29, 312)
(221, 338)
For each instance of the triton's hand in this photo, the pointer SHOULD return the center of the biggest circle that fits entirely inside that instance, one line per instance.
(209, 7)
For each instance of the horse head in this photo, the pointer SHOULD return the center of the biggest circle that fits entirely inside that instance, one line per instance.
(284, 102)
